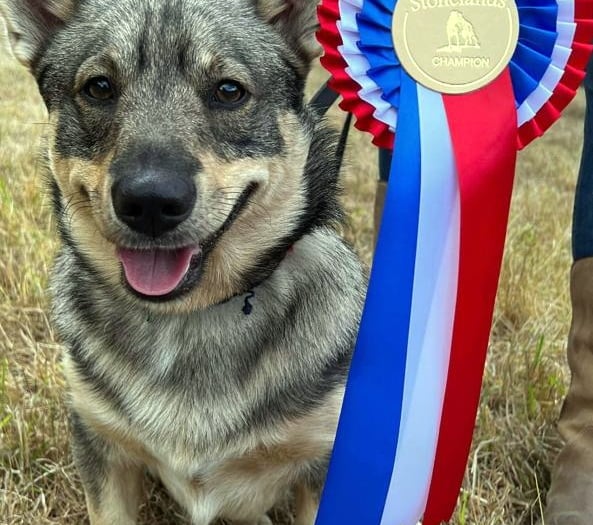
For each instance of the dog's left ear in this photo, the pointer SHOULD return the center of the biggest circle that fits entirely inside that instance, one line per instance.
(296, 21)
(31, 23)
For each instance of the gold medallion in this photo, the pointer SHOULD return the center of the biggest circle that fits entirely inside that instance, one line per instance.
(455, 46)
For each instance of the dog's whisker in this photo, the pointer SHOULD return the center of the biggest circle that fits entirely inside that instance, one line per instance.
(250, 202)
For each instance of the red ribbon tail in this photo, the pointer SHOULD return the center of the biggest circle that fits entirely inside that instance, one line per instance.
(483, 128)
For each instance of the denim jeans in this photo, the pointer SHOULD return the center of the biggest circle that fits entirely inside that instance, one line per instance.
(582, 226)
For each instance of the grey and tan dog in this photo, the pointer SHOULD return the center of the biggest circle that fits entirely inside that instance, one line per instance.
(208, 306)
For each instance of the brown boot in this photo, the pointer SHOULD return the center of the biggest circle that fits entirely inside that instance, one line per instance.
(379, 203)
(570, 500)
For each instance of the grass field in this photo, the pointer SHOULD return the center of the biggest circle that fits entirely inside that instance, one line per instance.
(515, 439)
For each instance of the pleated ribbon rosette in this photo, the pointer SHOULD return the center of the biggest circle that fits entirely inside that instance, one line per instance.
(412, 395)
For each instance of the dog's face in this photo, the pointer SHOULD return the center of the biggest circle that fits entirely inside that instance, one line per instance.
(177, 140)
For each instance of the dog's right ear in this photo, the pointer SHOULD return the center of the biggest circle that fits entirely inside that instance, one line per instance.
(31, 23)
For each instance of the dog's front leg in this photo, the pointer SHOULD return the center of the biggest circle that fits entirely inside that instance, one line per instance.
(112, 482)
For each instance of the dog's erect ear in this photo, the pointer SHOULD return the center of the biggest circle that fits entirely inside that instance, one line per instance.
(296, 20)
(30, 24)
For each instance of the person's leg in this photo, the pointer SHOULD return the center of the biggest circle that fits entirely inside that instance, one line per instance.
(582, 227)
(570, 499)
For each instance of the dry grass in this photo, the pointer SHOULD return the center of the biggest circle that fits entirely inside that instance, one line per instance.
(515, 440)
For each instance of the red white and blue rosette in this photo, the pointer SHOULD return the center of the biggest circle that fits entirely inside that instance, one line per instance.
(412, 396)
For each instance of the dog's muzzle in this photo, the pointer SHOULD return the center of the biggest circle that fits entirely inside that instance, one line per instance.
(153, 193)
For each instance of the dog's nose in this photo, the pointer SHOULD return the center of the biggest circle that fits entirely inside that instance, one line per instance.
(154, 189)
(153, 204)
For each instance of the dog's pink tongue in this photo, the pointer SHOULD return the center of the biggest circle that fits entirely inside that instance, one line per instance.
(155, 272)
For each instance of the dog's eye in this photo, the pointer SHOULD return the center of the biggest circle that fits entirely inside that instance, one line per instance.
(99, 88)
(229, 93)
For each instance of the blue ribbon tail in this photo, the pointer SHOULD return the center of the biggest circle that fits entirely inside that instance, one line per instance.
(360, 468)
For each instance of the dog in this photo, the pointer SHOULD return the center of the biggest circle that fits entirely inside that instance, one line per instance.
(207, 304)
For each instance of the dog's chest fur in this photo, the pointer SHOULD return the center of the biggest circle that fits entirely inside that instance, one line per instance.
(252, 391)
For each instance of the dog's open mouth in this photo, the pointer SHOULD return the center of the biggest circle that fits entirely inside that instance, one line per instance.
(161, 274)
(158, 273)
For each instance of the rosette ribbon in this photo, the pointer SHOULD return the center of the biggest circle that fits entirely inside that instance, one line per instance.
(413, 390)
